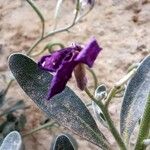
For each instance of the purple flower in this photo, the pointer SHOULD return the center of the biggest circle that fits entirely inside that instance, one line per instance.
(67, 60)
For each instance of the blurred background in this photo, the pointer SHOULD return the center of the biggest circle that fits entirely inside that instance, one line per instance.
(120, 27)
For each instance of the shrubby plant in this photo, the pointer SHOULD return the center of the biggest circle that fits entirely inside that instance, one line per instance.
(45, 83)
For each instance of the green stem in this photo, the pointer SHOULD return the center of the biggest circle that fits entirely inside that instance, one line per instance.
(144, 127)
(49, 47)
(68, 27)
(111, 94)
(36, 9)
(34, 45)
(56, 31)
(133, 66)
(112, 128)
(49, 124)
(94, 77)
(117, 86)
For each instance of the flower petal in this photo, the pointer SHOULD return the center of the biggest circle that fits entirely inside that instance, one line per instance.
(61, 78)
(52, 62)
(89, 53)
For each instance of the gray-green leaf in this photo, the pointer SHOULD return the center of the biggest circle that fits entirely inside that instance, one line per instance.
(135, 99)
(66, 107)
(12, 141)
(64, 141)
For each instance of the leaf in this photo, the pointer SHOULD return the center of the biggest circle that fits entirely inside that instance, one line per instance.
(101, 92)
(99, 115)
(135, 98)
(66, 107)
(12, 141)
(64, 141)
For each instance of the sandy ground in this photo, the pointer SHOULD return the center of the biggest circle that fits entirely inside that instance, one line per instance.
(123, 36)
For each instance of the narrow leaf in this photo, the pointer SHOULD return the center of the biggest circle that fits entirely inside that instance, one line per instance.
(100, 94)
(135, 99)
(12, 141)
(65, 141)
(99, 115)
(66, 107)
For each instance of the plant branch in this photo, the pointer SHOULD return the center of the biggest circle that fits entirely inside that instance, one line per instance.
(94, 77)
(56, 31)
(49, 124)
(117, 86)
(36, 9)
(49, 47)
(109, 121)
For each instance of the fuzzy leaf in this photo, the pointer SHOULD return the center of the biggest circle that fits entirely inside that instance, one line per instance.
(64, 141)
(12, 141)
(135, 99)
(66, 107)
(101, 92)
(99, 115)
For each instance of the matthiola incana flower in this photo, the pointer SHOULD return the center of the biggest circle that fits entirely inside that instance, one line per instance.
(67, 60)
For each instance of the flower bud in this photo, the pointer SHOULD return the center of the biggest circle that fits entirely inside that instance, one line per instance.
(80, 76)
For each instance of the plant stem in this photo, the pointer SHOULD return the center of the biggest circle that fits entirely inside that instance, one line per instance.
(36, 9)
(144, 127)
(118, 85)
(56, 31)
(111, 94)
(34, 45)
(49, 47)
(49, 124)
(109, 121)
(94, 77)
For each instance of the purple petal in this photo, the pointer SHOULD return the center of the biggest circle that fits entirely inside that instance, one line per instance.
(61, 78)
(89, 53)
(52, 62)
